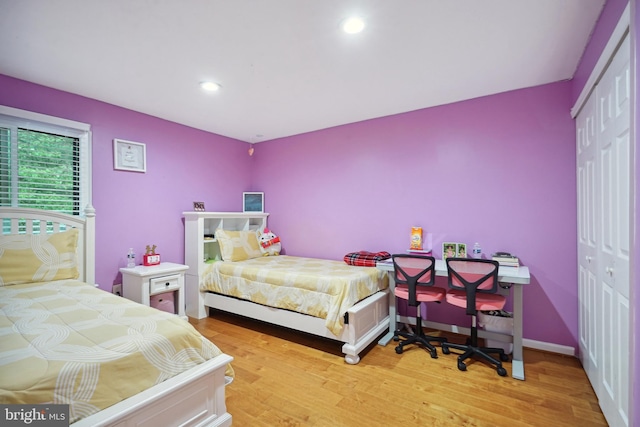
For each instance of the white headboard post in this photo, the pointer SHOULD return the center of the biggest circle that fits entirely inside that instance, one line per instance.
(90, 244)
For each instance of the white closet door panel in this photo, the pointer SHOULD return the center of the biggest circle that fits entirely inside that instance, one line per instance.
(621, 251)
(609, 350)
(589, 330)
(595, 332)
(586, 134)
(622, 159)
(614, 175)
(624, 385)
(607, 193)
(620, 271)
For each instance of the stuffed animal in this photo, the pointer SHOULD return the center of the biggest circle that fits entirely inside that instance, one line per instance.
(269, 242)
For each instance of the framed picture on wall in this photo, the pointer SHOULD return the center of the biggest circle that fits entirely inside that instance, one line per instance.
(129, 156)
(252, 202)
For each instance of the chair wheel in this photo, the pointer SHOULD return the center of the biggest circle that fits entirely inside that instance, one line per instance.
(504, 357)
(399, 350)
(396, 338)
(434, 354)
(462, 366)
(502, 372)
(445, 350)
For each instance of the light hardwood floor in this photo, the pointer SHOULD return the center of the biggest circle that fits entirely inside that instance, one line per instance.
(286, 378)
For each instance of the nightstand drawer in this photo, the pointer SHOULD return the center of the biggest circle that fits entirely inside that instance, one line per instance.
(158, 285)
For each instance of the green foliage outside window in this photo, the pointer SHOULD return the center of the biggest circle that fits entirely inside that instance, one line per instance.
(44, 172)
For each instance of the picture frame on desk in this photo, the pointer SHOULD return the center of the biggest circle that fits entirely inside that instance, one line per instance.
(454, 250)
(252, 202)
(449, 250)
(461, 250)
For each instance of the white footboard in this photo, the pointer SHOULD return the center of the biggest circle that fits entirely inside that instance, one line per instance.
(194, 398)
(368, 319)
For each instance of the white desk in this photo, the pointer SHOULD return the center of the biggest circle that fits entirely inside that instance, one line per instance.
(507, 276)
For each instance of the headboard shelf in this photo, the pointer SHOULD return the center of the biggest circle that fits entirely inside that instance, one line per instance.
(198, 250)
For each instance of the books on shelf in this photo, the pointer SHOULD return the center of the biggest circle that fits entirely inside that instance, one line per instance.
(506, 260)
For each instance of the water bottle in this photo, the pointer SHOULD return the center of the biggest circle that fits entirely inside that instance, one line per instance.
(131, 258)
(477, 251)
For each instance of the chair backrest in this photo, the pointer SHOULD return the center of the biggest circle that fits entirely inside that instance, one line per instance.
(473, 276)
(413, 271)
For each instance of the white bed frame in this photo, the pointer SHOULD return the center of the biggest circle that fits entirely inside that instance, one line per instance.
(367, 319)
(193, 398)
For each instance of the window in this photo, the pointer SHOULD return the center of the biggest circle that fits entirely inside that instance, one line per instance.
(44, 162)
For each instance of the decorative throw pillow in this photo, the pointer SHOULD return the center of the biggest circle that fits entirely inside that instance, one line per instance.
(26, 258)
(238, 245)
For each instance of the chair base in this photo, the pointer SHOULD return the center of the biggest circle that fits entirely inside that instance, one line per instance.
(482, 352)
(419, 338)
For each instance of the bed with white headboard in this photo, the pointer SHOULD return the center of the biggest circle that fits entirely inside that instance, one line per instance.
(53, 315)
(327, 298)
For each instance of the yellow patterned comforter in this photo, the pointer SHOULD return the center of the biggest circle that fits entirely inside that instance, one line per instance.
(320, 288)
(66, 342)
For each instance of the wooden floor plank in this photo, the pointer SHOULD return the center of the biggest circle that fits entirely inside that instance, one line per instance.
(287, 378)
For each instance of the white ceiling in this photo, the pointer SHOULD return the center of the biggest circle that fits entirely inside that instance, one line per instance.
(285, 66)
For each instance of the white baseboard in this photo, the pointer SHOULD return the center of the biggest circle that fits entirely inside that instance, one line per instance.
(536, 345)
(550, 347)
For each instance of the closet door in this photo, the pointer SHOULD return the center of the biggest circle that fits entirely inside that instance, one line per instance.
(614, 162)
(589, 330)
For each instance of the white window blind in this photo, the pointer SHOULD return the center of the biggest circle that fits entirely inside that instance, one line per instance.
(44, 162)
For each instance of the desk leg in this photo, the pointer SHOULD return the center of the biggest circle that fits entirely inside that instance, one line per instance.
(517, 365)
(392, 312)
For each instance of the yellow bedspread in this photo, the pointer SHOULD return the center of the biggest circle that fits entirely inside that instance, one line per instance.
(320, 288)
(66, 342)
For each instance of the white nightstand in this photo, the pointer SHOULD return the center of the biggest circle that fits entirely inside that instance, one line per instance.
(140, 283)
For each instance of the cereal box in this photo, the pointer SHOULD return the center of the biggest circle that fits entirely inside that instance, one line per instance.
(416, 238)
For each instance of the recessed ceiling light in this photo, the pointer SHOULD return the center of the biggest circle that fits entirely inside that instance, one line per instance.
(353, 25)
(210, 86)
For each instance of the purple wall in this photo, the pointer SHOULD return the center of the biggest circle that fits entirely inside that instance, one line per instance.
(498, 170)
(136, 209)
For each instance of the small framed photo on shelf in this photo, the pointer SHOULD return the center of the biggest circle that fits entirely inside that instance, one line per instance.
(252, 202)
(461, 250)
(449, 250)
(198, 206)
(454, 250)
(129, 156)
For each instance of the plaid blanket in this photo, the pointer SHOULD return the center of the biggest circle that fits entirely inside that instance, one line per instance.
(365, 259)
